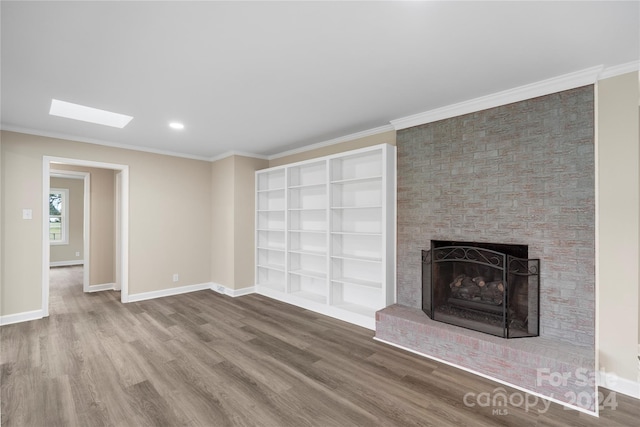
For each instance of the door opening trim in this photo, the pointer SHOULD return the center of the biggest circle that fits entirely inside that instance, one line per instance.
(122, 224)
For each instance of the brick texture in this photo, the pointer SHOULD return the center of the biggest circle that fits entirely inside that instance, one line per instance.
(522, 173)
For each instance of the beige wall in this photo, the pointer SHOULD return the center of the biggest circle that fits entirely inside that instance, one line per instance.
(618, 233)
(169, 216)
(233, 213)
(222, 222)
(244, 219)
(380, 138)
(22, 265)
(75, 210)
(1, 225)
(102, 233)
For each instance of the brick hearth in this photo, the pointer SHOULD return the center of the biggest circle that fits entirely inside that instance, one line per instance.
(531, 364)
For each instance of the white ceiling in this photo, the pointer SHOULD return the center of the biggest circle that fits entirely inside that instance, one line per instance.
(266, 77)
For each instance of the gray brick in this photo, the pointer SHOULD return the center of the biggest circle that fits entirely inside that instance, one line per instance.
(520, 173)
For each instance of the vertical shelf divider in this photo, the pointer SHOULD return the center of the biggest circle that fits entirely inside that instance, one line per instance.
(287, 281)
(329, 221)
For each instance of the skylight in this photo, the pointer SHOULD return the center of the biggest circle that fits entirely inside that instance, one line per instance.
(88, 114)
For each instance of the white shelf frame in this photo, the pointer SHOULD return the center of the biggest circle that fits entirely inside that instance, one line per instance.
(305, 176)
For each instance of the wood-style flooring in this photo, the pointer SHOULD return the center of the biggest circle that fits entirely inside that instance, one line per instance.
(203, 359)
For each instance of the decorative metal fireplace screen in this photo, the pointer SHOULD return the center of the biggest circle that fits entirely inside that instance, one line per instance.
(482, 289)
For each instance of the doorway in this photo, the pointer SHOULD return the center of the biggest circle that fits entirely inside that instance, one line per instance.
(76, 233)
(121, 226)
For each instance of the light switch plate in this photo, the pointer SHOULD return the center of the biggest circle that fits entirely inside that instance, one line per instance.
(27, 214)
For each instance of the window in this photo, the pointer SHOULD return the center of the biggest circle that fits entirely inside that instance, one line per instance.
(58, 218)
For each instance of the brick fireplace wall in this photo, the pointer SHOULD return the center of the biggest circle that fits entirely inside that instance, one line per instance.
(522, 173)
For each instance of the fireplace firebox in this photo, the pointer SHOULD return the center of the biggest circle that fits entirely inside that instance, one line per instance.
(488, 287)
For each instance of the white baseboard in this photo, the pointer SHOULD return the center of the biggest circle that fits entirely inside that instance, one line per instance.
(38, 314)
(168, 292)
(363, 320)
(221, 289)
(66, 263)
(619, 385)
(102, 287)
(244, 291)
(21, 317)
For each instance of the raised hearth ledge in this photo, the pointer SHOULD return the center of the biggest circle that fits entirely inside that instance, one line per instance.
(534, 365)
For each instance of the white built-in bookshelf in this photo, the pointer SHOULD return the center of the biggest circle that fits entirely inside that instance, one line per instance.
(325, 233)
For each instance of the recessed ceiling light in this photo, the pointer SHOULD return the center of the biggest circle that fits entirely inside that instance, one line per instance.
(176, 125)
(88, 114)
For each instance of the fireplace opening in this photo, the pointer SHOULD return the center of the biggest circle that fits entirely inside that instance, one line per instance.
(488, 287)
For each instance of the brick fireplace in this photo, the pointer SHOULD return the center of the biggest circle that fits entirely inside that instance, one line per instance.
(522, 173)
(487, 287)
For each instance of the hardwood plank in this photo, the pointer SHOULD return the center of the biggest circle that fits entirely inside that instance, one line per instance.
(200, 393)
(205, 359)
(150, 407)
(255, 366)
(125, 365)
(66, 403)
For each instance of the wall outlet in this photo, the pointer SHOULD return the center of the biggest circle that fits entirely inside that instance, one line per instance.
(176, 277)
(77, 253)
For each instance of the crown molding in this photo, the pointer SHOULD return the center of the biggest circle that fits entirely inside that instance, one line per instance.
(521, 93)
(237, 153)
(346, 138)
(99, 142)
(617, 70)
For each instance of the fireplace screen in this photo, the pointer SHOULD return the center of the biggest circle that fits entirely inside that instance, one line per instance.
(483, 287)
